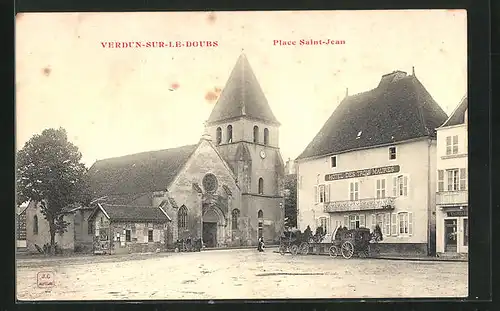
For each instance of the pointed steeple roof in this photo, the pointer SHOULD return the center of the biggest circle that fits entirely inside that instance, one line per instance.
(242, 96)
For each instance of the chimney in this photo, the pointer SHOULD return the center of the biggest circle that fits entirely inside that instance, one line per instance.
(413, 70)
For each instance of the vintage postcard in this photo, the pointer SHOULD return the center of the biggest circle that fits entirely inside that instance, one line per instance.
(241, 155)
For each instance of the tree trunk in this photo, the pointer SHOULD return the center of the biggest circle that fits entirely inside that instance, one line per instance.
(52, 231)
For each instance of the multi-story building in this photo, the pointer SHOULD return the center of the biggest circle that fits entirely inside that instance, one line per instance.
(452, 223)
(374, 163)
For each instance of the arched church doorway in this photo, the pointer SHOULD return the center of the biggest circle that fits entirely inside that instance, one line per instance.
(213, 227)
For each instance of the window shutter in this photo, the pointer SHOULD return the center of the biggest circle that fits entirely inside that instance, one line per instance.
(410, 223)
(346, 221)
(374, 220)
(440, 180)
(463, 178)
(394, 227)
(405, 186)
(362, 221)
(394, 186)
(387, 223)
(315, 194)
(327, 193)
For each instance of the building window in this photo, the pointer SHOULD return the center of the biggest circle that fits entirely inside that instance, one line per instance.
(260, 215)
(261, 186)
(128, 235)
(400, 186)
(35, 224)
(380, 188)
(333, 161)
(355, 221)
(453, 179)
(354, 191)
(266, 136)
(322, 194)
(229, 133)
(466, 231)
(456, 179)
(405, 224)
(378, 219)
(150, 235)
(235, 216)
(392, 153)
(256, 134)
(182, 217)
(90, 227)
(101, 221)
(452, 145)
(324, 223)
(440, 180)
(210, 183)
(219, 136)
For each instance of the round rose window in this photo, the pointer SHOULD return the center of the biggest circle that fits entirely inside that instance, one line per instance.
(210, 183)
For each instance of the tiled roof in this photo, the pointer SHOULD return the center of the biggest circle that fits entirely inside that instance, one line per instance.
(399, 109)
(242, 96)
(138, 173)
(458, 116)
(134, 213)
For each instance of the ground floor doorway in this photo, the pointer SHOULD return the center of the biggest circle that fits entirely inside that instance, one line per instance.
(210, 234)
(450, 235)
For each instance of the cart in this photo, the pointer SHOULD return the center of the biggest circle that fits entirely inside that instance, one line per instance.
(293, 242)
(353, 242)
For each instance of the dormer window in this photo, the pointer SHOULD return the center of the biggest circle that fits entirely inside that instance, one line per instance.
(229, 134)
(333, 161)
(392, 153)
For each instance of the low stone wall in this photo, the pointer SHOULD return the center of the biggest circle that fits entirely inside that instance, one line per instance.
(133, 247)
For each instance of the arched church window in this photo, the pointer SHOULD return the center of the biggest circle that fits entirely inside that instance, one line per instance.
(219, 136)
(260, 215)
(256, 134)
(261, 186)
(266, 136)
(234, 220)
(35, 224)
(229, 133)
(182, 217)
(210, 183)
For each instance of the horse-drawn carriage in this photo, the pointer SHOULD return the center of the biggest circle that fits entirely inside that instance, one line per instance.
(346, 242)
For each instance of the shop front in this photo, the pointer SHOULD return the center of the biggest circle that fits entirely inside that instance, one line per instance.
(453, 230)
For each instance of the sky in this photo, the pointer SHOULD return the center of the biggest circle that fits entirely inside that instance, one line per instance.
(118, 101)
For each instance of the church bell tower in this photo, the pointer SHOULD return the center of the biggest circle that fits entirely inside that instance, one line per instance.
(246, 133)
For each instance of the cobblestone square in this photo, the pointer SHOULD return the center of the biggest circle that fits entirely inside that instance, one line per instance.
(237, 274)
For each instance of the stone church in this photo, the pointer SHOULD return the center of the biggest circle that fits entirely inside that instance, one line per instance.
(226, 189)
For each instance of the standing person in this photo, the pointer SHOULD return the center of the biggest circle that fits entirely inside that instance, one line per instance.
(261, 245)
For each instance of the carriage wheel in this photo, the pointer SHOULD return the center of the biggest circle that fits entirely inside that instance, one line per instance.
(333, 251)
(294, 249)
(282, 249)
(347, 249)
(304, 248)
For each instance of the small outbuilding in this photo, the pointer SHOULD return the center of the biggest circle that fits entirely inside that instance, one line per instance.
(120, 229)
